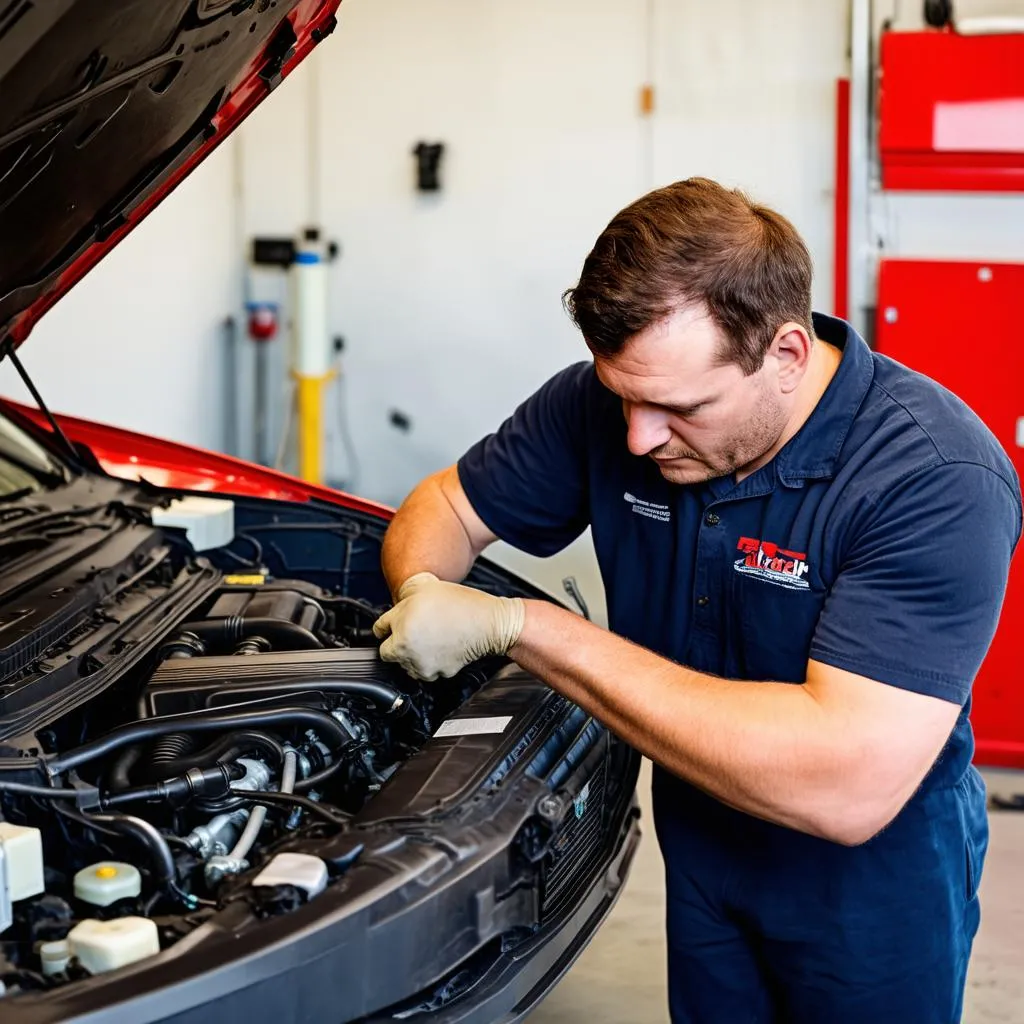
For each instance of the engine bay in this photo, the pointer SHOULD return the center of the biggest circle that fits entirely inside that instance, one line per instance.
(190, 719)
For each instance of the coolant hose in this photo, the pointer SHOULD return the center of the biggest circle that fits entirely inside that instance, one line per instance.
(258, 815)
(328, 772)
(281, 633)
(227, 748)
(289, 772)
(140, 830)
(205, 783)
(327, 728)
(388, 699)
(120, 776)
(250, 833)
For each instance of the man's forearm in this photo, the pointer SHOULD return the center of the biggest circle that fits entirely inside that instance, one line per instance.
(426, 535)
(769, 749)
(836, 756)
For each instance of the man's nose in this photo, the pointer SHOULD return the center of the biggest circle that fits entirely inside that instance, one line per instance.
(646, 429)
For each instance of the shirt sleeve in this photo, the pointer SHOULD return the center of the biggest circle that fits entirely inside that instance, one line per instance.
(917, 600)
(528, 480)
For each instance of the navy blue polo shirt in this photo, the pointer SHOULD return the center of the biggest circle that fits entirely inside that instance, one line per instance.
(878, 540)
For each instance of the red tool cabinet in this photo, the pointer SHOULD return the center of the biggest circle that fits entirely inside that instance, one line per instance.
(963, 325)
(951, 111)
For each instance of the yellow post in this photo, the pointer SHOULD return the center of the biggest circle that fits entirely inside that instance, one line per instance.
(311, 426)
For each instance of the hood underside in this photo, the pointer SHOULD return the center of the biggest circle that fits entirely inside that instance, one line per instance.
(107, 106)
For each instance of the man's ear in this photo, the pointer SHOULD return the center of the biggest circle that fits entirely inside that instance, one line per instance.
(791, 349)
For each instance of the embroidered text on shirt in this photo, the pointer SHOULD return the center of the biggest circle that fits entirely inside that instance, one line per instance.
(648, 508)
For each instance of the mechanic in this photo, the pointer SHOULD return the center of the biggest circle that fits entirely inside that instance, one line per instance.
(805, 548)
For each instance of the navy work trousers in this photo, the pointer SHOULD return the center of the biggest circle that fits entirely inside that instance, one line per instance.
(771, 926)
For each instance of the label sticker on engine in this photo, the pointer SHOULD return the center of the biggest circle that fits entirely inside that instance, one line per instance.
(473, 726)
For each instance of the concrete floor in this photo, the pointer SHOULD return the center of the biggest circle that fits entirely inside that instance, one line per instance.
(620, 979)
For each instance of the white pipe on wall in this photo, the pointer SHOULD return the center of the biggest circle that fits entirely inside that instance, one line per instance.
(861, 262)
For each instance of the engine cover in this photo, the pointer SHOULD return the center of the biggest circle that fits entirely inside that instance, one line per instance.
(279, 617)
(191, 684)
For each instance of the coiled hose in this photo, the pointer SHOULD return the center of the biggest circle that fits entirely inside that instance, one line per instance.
(172, 747)
(168, 758)
(228, 748)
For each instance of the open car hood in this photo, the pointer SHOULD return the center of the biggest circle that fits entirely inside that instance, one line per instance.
(107, 107)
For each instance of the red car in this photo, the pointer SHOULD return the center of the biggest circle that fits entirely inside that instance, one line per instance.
(216, 801)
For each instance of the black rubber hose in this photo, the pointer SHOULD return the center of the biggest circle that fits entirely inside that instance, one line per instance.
(320, 777)
(209, 783)
(146, 834)
(326, 727)
(48, 792)
(281, 633)
(227, 748)
(120, 776)
(387, 698)
(340, 819)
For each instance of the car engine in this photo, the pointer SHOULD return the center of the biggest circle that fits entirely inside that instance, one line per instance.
(189, 719)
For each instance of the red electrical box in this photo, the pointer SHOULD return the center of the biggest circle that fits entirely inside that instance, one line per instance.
(960, 324)
(951, 111)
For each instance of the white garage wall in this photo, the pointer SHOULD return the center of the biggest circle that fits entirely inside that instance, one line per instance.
(139, 341)
(747, 96)
(450, 302)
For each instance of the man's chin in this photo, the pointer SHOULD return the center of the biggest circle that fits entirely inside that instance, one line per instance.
(686, 471)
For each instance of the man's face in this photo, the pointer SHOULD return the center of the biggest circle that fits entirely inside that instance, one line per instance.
(696, 417)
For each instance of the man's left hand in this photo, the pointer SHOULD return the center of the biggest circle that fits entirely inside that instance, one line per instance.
(437, 628)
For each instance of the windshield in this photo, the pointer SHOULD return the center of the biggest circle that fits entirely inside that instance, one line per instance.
(25, 465)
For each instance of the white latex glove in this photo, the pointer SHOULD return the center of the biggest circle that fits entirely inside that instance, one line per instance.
(437, 628)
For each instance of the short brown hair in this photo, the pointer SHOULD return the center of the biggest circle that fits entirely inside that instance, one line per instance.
(695, 242)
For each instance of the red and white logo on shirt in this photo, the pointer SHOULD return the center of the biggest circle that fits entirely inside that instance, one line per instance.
(772, 564)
